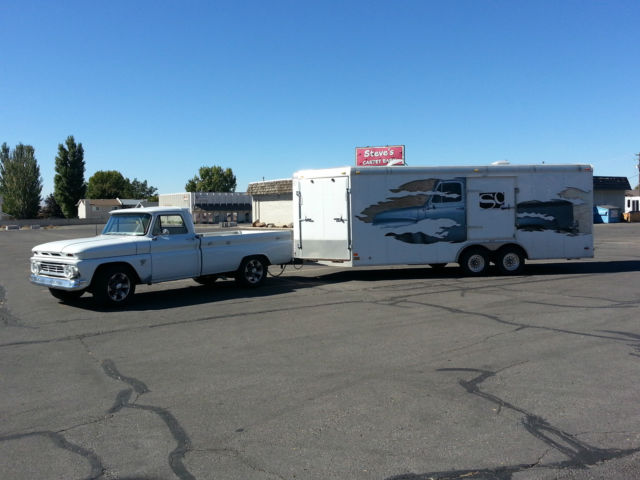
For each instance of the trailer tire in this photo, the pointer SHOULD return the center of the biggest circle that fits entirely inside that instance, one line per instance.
(252, 272)
(114, 286)
(510, 260)
(66, 296)
(474, 261)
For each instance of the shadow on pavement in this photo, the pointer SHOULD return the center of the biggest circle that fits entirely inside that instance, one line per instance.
(228, 290)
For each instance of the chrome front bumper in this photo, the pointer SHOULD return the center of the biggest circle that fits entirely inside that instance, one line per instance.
(59, 283)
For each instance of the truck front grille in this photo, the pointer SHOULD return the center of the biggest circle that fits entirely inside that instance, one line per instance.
(54, 269)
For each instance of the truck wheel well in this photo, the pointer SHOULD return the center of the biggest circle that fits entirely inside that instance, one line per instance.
(123, 265)
(261, 256)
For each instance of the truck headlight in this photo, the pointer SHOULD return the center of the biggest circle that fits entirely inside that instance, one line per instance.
(70, 271)
(35, 267)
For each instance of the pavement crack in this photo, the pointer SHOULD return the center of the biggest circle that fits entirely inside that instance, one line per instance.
(97, 469)
(580, 455)
(179, 434)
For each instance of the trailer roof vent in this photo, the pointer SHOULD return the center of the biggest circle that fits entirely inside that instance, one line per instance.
(501, 162)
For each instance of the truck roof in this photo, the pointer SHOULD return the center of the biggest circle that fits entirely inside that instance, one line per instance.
(150, 210)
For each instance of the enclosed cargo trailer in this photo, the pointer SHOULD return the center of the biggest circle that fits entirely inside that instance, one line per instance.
(474, 215)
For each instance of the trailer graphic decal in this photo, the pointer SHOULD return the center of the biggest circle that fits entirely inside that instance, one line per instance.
(492, 200)
(435, 213)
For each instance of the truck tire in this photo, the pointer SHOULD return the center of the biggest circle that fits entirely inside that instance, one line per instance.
(252, 272)
(113, 286)
(474, 262)
(510, 261)
(65, 295)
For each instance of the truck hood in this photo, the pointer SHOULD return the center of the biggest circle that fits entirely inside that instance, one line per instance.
(92, 247)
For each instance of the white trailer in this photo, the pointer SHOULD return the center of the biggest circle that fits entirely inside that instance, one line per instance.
(371, 216)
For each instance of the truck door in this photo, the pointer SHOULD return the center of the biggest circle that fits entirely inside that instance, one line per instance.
(491, 208)
(323, 227)
(175, 253)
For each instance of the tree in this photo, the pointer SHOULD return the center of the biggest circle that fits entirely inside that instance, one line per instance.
(20, 181)
(140, 190)
(212, 179)
(51, 208)
(108, 184)
(68, 184)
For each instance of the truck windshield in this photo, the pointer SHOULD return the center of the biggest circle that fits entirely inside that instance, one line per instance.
(127, 224)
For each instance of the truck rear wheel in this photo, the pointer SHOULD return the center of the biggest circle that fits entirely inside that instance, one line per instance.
(510, 261)
(66, 295)
(252, 272)
(474, 262)
(114, 286)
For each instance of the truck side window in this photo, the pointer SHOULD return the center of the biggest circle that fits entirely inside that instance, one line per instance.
(452, 192)
(448, 192)
(169, 225)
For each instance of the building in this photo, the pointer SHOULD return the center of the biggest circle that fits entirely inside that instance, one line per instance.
(272, 201)
(99, 208)
(610, 191)
(211, 207)
(632, 201)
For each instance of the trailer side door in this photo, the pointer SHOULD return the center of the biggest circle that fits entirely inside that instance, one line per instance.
(491, 208)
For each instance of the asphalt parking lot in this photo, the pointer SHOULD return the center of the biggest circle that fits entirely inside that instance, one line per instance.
(325, 373)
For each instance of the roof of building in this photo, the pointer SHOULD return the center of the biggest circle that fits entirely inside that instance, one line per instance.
(611, 183)
(271, 187)
(100, 202)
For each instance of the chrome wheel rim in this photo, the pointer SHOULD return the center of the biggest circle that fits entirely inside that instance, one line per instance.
(118, 287)
(253, 271)
(476, 263)
(511, 262)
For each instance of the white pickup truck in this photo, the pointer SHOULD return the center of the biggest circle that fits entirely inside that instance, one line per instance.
(151, 245)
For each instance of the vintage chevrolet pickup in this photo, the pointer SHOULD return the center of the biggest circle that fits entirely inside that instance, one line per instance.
(151, 245)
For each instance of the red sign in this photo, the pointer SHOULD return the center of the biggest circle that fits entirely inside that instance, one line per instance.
(380, 156)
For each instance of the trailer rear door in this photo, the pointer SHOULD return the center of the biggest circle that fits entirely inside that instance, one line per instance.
(323, 224)
(491, 208)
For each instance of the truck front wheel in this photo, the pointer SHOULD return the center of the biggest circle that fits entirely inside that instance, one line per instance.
(114, 286)
(252, 272)
(474, 261)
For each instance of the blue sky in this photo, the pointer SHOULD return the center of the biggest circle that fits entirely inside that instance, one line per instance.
(158, 89)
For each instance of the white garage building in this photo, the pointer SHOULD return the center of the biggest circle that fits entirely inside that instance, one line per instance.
(272, 201)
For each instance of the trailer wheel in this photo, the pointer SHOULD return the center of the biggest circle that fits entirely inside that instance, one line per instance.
(114, 286)
(510, 261)
(474, 262)
(252, 272)
(65, 295)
